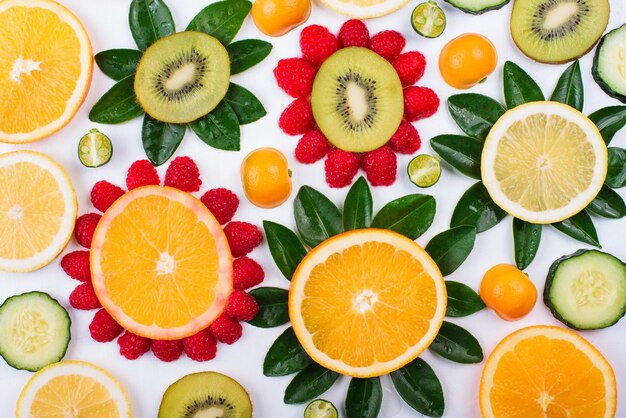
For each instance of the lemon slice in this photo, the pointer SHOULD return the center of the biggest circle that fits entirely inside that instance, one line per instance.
(364, 9)
(543, 162)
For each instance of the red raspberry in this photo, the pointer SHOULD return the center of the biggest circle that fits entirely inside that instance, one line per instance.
(167, 351)
(388, 44)
(222, 203)
(226, 329)
(247, 273)
(103, 327)
(341, 167)
(297, 118)
(312, 147)
(242, 237)
(183, 174)
(317, 44)
(380, 166)
(354, 33)
(419, 103)
(76, 265)
(295, 76)
(141, 173)
(200, 347)
(242, 306)
(133, 346)
(104, 194)
(84, 297)
(85, 228)
(410, 67)
(406, 140)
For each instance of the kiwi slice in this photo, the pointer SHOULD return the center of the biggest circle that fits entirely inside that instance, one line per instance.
(357, 100)
(206, 395)
(182, 77)
(557, 31)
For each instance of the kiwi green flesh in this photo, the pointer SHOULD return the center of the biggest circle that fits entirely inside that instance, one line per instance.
(205, 395)
(357, 100)
(182, 77)
(557, 31)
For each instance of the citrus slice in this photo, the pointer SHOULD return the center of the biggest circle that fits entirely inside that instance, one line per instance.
(37, 210)
(320, 408)
(73, 389)
(364, 9)
(366, 302)
(428, 19)
(160, 263)
(94, 149)
(547, 371)
(45, 68)
(543, 162)
(424, 170)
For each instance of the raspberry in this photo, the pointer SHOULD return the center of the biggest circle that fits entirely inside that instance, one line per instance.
(295, 76)
(167, 350)
(388, 44)
(183, 174)
(341, 167)
(406, 140)
(242, 237)
(312, 147)
(247, 273)
(76, 265)
(141, 173)
(226, 329)
(85, 228)
(84, 297)
(354, 33)
(242, 306)
(103, 327)
(410, 67)
(200, 347)
(222, 203)
(297, 118)
(419, 103)
(104, 194)
(133, 346)
(317, 44)
(380, 166)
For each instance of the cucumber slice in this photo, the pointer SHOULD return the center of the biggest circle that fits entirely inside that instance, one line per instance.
(34, 331)
(477, 7)
(94, 149)
(587, 289)
(428, 19)
(609, 64)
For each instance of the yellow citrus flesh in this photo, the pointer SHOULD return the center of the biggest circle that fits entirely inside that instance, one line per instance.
(364, 9)
(45, 68)
(160, 263)
(546, 371)
(366, 302)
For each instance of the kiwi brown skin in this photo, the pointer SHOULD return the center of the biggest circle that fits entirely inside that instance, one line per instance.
(596, 75)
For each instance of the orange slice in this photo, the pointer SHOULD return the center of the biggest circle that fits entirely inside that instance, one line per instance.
(366, 302)
(45, 68)
(546, 371)
(160, 263)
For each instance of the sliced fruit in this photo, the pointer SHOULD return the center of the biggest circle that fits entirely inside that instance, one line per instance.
(546, 371)
(477, 7)
(366, 302)
(37, 210)
(94, 149)
(364, 9)
(320, 408)
(424, 170)
(543, 162)
(266, 177)
(609, 64)
(428, 19)
(160, 263)
(45, 68)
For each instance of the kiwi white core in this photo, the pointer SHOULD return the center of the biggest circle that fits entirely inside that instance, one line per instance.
(560, 15)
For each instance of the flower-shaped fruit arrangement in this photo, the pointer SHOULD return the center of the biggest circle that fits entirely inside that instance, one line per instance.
(182, 80)
(366, 300)
(160, 267)
(543, 162)
(355, 101)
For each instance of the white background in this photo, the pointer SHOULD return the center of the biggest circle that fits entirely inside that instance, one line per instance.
(147, 378)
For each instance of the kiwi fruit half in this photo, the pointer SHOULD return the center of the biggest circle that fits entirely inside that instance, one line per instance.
(357, 100)
(205, 395)
(182, 77)
(557, 31)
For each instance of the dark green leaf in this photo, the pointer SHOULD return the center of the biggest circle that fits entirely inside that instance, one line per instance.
(519, 87)
(526, 238)
(309, 384)
(117, 105)
(457, 344)
(245, 104)
(420, 388)
(450, 248)
(609, 120)
(462, 300)
(461, 152)
(222, 20)
(285, 247)
(160, 139)
(273, 307)
(616, 174)
(474, 113)
(410, 215)
(150, 20)
(317, 218)
(364, 398)
(118, 63)
(569, 88)
(580, 227)
(357, 208)
(477, 209)
(220, 128)
(608, 204)
(247, 53)
(285, 356)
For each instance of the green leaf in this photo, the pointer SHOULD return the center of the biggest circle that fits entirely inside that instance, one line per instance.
(616, 173)
(461, 152)
(519, 87)
(608, 204)
(309, 384)
(420, 388)
(285, 247)
(160, 139)
(245, 104)
(222, 19)
(457, 344)
(580, 227)
(150, 20)
(117, 105)
(317, 218)
(410, 215)
(609, 120)
(477, 209)
(474, 113)
(569, 88)
(357, 208)
(247, 53)
(364, 398)
(526, 238)
(285, 356)
(450, 248)
(118, 63)
(462, 300)
(220, 128)
(273, 307)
